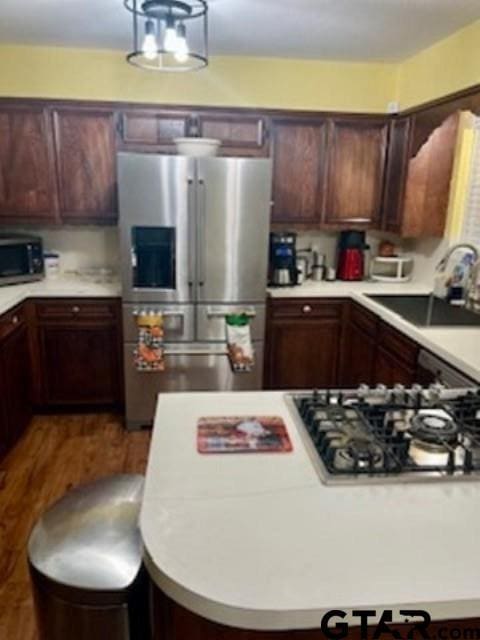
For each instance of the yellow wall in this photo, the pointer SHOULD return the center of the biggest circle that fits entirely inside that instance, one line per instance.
(229, 81)
(449, 65)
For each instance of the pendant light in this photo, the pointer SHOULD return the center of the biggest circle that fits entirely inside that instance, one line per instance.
(169, 35)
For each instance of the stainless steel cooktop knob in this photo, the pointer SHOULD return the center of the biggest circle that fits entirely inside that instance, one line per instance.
(363, 391)
(435, 391)
(381, 391)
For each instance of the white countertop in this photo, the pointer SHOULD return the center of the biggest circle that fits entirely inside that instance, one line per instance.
(257, 541)
(62, 287)
(459, 346)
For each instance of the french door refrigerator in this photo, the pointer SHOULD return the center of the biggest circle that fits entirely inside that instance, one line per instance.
(194, 247)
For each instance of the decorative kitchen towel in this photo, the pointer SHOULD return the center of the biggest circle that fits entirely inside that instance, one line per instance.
(149, 354)
(239, 343)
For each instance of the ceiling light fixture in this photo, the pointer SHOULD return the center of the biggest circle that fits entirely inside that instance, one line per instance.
(160, 41)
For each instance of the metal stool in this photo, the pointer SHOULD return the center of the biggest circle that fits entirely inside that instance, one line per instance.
(85, 559)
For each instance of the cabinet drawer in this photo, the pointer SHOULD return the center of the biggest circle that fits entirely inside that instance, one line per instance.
(398, 345)
(11, 320)
(363, 319)
(76, 309)
(307, 308)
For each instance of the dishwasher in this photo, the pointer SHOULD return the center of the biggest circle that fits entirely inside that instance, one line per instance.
(432, 369)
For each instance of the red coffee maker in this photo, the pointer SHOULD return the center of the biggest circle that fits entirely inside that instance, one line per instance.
(351, 255)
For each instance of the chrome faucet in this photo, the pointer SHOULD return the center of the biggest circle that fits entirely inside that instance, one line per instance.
(470, 292)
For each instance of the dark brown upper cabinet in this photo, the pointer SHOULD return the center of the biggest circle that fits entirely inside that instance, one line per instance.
(356, 166)
(299, 149)
(27, 175)
(428, 180)
(395, 180)
(151, 130)
(241, 135)
(86, 164)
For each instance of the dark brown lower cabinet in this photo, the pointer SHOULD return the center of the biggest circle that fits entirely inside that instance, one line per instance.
(15, 390)
(359, 347)
(334, 343)
(304, 339)
(79, 352)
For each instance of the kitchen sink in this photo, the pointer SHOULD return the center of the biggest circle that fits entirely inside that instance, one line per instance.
(428, 311)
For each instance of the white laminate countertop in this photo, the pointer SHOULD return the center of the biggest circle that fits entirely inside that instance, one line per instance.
(62, 287)
(459, 346)
(257, 541)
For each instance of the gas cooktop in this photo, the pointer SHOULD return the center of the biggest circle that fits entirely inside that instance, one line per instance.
(399, 434)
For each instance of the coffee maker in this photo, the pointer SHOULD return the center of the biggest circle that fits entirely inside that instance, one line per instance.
(351, 255)
(283, 260)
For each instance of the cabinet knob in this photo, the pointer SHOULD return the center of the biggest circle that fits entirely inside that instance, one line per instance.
(307, 308)
(15, 320)
(75, 309)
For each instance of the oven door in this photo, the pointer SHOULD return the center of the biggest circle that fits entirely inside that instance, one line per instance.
(157, 227)
(189, 367)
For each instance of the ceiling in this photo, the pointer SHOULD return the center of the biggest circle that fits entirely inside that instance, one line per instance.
(329, 29)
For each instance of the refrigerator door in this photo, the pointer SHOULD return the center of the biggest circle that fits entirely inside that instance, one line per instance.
(157, 227)
(233, 213)
(189, 367)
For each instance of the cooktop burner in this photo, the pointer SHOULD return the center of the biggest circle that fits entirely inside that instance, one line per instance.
(399, 434)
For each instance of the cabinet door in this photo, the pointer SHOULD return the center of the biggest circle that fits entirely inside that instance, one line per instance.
(358, 358)
(356, 167)
(389, 370)
(151, 130)
(241, 135)
(85, 153)
(15, 357)
(299, 171)
(429, 176)
(80, 364)
(395, 179)
(27, 176)
(304, 353)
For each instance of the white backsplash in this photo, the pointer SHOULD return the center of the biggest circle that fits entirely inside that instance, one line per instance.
(81, 246)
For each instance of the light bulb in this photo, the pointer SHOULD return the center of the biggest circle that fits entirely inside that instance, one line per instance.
(150, 47)
(170, 40)
(181, 50)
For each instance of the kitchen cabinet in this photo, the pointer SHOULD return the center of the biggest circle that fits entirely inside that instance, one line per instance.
(79, 352)
(359, 347)
(240, 134)
(15, 390)
(86, 164)
(303, 343)
(356, 165)
(27, 175)
(396, 357)
(299, 149)
(396, 175)
(151, 130)
(427, 189)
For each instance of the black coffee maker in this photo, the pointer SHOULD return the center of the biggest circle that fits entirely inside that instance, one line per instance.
(283, 260)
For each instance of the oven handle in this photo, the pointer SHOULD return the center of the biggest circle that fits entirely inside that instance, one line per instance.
(196, 352)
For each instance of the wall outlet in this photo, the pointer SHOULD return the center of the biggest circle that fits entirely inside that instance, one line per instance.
(393, 107)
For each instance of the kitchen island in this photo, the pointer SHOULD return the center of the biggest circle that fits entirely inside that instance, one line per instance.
(257, 542)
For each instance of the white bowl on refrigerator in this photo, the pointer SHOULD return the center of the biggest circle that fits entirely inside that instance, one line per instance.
(198, 147)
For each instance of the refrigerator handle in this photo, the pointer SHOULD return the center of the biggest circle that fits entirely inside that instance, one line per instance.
(191, 230)
(201, 232)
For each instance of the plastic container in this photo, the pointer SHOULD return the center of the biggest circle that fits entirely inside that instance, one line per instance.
(52, 264)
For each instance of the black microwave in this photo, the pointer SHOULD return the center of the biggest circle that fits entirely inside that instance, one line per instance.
(21, 259)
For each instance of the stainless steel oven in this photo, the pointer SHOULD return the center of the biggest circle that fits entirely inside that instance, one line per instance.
(21, 258)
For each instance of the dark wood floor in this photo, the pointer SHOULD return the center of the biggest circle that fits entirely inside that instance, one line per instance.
(55, 454)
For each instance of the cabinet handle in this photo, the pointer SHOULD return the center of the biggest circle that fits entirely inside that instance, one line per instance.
(307, 308)
(76, 309)
(260, 134)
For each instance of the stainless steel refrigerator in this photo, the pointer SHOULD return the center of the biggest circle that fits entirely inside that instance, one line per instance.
(194, 246)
